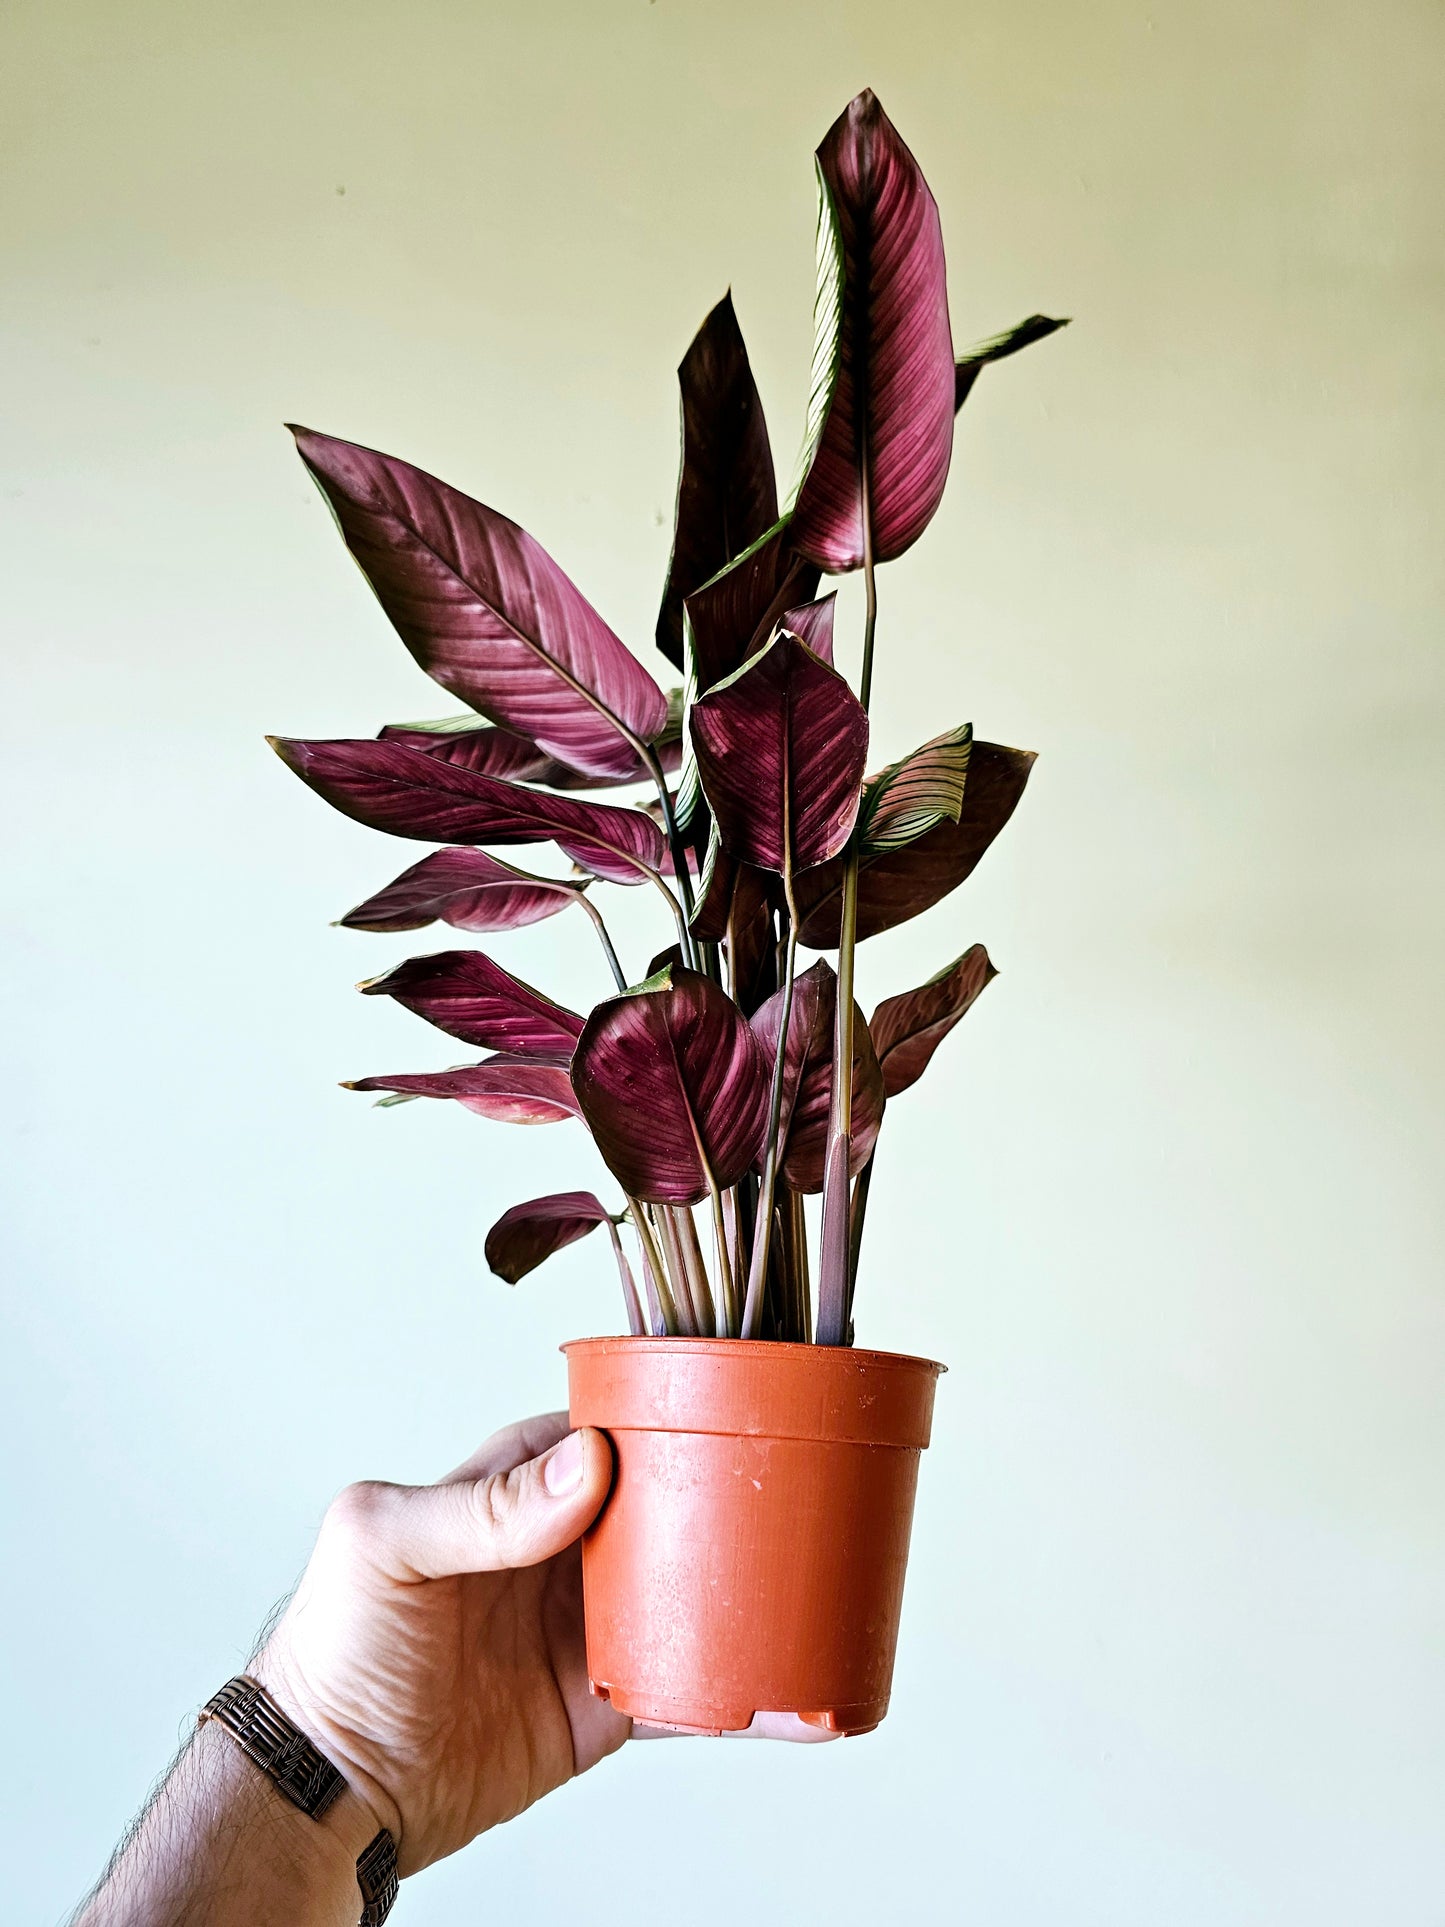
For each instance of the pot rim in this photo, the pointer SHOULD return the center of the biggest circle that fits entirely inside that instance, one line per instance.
(750, 1348)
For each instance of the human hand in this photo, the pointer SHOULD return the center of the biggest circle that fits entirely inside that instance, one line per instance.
(434, 1648)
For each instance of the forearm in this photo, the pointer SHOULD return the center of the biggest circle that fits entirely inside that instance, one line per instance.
(220, 1846)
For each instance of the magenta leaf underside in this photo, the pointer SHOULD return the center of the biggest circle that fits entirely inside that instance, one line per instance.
(672, 1084)
(908, 1029)
(471, 743)
(390, 787)
(726, 495)
(892, 393)
(486, 611)
(808, 1079)
(528, 1234)
(468, 995)
(781, 746)
(507, 1088)
(462, 887)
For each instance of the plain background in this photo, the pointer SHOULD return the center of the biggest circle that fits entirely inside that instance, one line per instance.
(1168, 1206)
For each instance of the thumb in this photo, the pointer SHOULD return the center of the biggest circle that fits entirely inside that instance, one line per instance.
(514, 1518)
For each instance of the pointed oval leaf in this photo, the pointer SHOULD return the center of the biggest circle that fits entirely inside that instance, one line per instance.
(808, 1070)
(466, 994)
(530, 1233)
(486, 611)
(464, 888)
(812, 622)
(735, 613)
(668, 1076)
(472, 743)
(390, 787)
(894, 885)
(910, 796)
(810, 1030)
(883, 364)
(908, 1029)
(781, 746)
(969, 366)
(726, 494)
(725, 621)
(507, 1088)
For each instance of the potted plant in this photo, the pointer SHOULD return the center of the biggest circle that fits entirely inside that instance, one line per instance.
(752, 1554)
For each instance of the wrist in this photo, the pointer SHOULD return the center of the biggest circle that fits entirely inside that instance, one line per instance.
(365, 1801)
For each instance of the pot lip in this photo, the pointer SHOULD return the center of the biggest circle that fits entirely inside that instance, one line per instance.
(757, 1349)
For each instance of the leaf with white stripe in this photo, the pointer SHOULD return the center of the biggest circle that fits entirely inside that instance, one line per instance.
(911, 796)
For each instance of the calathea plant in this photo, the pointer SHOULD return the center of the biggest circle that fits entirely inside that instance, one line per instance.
(724, 1076)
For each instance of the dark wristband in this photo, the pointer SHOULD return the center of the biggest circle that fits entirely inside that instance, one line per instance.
(304, 1774)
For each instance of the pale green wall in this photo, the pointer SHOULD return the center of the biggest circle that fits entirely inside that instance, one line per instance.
(1170, 1204)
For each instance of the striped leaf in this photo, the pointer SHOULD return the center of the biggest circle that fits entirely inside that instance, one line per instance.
(894, 885)
(907, 1030)
(529, 1234)
(673, 1087)
(390, 787)
(781, 747)
(969, 366)
(466, 994)
(880, 415)
(910, 796)
(464, 888)
(486, 611)
(726, 494)
(507, 1088)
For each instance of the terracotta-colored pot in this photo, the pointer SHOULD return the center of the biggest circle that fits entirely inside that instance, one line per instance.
(750, 1557)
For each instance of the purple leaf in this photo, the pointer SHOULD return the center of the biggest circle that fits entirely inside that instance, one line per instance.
(530, 1233)
(726, 494)
(735, 909)
(907, 1030)
(894, 885)
(390, 787)
(508, 1088)
(808, 1079)
(668, 1076)
(486, 611)
(467, 889)
(781, 746)
(969, 366)
(737, 611)
(812, 622)
(466, 994)
(883, 375)
(910, 796)
(470, 743)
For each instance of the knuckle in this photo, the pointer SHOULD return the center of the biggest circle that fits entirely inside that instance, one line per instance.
(353, 1514)
(497, 1508)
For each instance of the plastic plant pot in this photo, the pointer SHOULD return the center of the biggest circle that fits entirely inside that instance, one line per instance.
(751, 1555)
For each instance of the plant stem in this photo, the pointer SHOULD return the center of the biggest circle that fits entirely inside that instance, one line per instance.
(636, 1324)
(653, 1266)
(855, 1229)
(763, 1224)
(669, 820)
(696, 1272)
(801, 1285)
(601, 928)
(833, 1244)
(684, 934)
(727, 1291)
(687, 1311)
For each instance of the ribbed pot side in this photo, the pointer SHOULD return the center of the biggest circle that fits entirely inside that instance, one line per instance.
(752, 1552)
